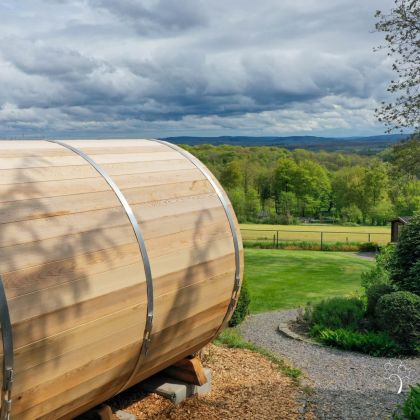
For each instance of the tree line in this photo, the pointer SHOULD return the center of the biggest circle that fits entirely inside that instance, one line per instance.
(275, 185)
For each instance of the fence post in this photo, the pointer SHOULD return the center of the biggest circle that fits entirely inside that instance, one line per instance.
(322, 239)
(277, 239)
(274, 241)
(368, 237)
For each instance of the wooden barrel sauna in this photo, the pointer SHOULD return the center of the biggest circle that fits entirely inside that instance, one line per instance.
(117, 259)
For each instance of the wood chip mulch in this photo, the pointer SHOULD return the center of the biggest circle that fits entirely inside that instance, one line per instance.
(245, 385)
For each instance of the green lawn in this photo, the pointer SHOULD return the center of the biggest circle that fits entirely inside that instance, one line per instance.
(280, 279)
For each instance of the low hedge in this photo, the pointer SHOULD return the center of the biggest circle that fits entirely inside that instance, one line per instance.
(369, 342)
(336, 312)
(374, 293)
(398, 314)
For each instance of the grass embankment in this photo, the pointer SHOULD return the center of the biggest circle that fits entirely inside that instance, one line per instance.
(312, 233)
(279, 279)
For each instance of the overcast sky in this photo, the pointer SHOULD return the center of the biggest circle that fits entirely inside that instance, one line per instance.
(158, 68)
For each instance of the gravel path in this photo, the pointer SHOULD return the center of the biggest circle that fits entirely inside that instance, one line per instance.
(346, 385)
(365, 255)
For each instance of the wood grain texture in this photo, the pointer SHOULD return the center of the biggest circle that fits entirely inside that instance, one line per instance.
(74, 275)
(189, 370)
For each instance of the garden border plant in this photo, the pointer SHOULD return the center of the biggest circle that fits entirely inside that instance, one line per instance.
(242, 307)
(386, 321)
(369, 342)
(398, 314)
(341, 322)
(410, 409)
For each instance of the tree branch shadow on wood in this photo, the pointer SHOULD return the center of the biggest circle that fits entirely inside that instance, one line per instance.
(187, 297)
(45, 276)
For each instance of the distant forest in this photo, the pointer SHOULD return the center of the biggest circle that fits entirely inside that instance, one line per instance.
(362, 145)
(276, 185)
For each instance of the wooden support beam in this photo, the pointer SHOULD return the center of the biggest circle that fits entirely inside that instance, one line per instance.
(189, 370)
(101, 412)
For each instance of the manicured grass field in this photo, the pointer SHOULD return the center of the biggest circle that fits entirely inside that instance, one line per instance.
(280, 279)
(332, 233)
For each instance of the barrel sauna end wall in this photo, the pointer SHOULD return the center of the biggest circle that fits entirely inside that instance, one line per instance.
(117, 259)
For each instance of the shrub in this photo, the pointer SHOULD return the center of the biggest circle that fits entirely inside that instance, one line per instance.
(351, 214)
(398, 314)
(410, 409)
(381, 213)
(379, 274)
(336, 312)
(405, 269)
(415, 274)
(242, 308)
(374, 293)
(352, 224)
(373, 343)
(369, 247)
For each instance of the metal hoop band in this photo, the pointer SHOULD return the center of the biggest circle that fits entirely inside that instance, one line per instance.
(229, 215)
(143, 252)
(7, 337)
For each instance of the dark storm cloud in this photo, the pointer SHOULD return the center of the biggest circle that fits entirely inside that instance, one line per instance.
(40, 59)
(156, 17)
(161, 67)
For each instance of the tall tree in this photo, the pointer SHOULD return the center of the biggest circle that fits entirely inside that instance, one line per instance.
(405, 156)
(284, 180)
(285, 175)
(232, 175)
(404, 173)
(348, 187)
(264, 187)
(287, 204)
(402, 29)
(375, 182)
(251, 204)
(312, 187)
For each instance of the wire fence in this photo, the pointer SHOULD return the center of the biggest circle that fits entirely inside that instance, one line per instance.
(277, 237)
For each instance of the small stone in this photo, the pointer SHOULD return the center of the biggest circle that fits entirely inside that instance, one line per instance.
(123, 415)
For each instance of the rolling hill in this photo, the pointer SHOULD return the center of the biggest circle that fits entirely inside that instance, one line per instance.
(367, 145)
